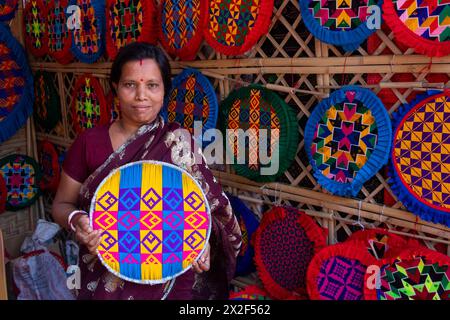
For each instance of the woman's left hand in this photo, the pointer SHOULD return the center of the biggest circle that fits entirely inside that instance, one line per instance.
(202, 264)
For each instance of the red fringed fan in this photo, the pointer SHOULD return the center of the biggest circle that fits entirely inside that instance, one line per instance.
(337, 272)
(285, 243)
(89, 104)
(235, 26)
(35, 27)
(181, 25)
(414, 274)
(129, 21)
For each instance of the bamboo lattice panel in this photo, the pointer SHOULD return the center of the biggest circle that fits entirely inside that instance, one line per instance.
(302, 70)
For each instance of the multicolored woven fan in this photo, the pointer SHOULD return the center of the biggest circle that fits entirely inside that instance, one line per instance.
(59, 36)
(49, 164)
(88, 42)
(422, 25)
(343, 22)
(155, 221)
(35, 21)
(417, 274)
(3, 194)
(248, 224)
(337, 272)
(250, 292)
(8, 9)
(235, 26)
(285, 243)
(16, 85)
(114, 105)
(47, 110)
(89, 104)
(269, 122)
(128, 21)
(347, 139)
(191, 99)
(421, 156)
(380, 243)
(181, 25)
(22, 177)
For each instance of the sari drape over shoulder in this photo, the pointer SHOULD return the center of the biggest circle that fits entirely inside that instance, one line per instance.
(158, 141)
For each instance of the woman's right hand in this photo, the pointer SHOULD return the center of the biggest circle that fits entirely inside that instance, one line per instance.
(85, 235)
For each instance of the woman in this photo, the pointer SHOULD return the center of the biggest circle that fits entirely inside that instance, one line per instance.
(140, 77)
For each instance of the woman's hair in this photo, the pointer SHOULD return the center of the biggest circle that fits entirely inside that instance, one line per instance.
(138, 51)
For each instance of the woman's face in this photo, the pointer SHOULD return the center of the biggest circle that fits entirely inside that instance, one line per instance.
(140, 91)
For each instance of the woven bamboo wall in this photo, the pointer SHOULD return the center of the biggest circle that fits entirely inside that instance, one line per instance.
(302, 70)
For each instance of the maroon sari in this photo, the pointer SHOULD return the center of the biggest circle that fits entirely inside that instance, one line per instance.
(157, 141)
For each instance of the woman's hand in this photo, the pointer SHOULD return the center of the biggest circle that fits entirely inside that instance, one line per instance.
(202, 264)
(85, 235)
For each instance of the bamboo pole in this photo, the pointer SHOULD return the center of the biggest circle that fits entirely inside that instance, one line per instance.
(416, 62)
(399, 217)
(348, 202)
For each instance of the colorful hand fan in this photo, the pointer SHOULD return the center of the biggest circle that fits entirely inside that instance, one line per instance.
(16, 85)
(47, 110)
(8, 9)
(347, 139)
(49, 164)
(421, 156)
(35, 21)
(380, 243)
(416, 274)
(191, 99)
(248, 224)
(235, 26)
(285, 243)
(128, 21)
(422, 25)
(114, 105)
(337, 272)
(268, 121)
(88, 41)
(3, 194)
(59, 36)
(22, 176)
(89, 104)
(343, 23)
(250, 292)
(155, 221)
(181, 25)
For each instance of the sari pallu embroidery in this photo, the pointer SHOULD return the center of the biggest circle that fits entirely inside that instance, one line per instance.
(156, 141)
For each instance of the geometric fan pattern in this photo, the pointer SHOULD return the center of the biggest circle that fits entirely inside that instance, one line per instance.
(340, 15)
(127, 19)
(22, 176)
(154, 220)
(35, 21)
(415, 279)
(88, 104)
(180, 21)
(188, 103)
(344, 140)
(257, 114)
(341, 279)
(429, 19)
(421, 154)
(12, 82)
(59, 36)
(232, 20)
(88, 39)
